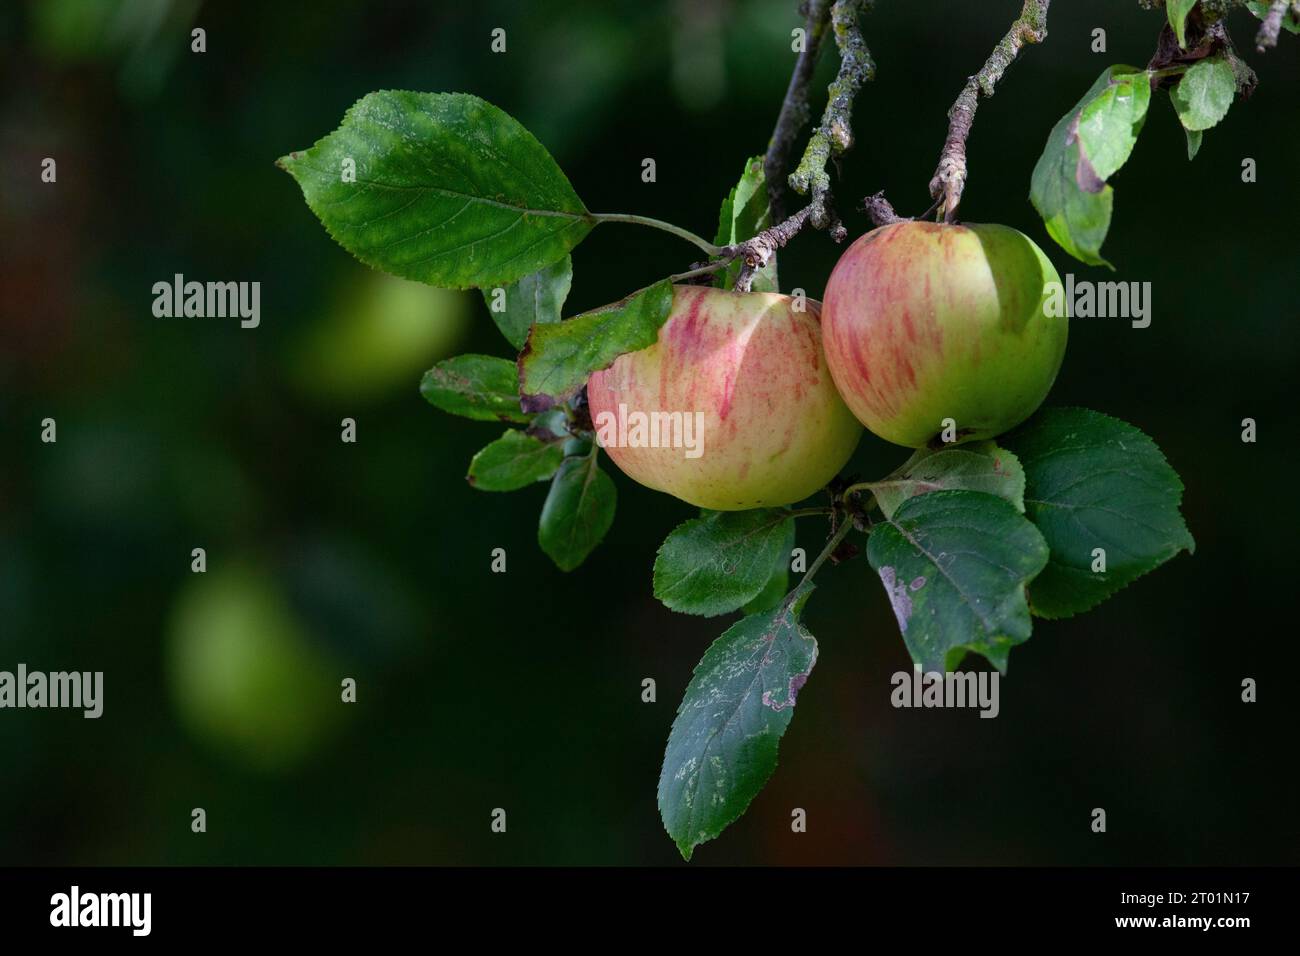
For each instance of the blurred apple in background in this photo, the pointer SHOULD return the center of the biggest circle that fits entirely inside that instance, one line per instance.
(378, 336)
(245, 675)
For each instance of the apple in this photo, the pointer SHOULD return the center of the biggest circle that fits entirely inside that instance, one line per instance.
(732, 408)
(928, 321)
(247, 675)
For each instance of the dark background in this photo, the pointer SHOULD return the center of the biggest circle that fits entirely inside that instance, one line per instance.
(522, 690)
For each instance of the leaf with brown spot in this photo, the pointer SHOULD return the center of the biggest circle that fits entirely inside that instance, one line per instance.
(558, 358)
(1085, 148)
(723, 745)
(480, 387)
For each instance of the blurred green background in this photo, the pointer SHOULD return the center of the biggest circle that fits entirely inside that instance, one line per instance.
(522, 691)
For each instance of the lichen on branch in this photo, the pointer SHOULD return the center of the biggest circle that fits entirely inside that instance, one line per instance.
(949, 179)
(755, 253)
(834, 134)
(794, 108)
(831, 138)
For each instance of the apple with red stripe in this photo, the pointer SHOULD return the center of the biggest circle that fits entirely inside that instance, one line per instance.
(774, 430)
(927, 321)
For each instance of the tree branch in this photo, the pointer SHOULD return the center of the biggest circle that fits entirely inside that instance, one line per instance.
(882, 213)
(829, 140)
(1272, 25)
(794, 109)
(834, 135)
(756, 252)
(949, 179)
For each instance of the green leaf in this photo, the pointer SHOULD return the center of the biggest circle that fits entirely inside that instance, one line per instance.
(744, 215)
(1204, 94)
(475, 386)
(1087, 146)
(1093, 481)
(448, 190)
(557, 359)
(955, 565)
(1110, 122)
(1177, 11)
(979, 466)
(578, 512)
(720, 562)
(776, 588)
(723, 745)
(1193, 143)
(1290, 19)
(536, 299)
(514, 461)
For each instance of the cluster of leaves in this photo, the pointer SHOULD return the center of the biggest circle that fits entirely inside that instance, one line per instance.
(1202, 76)
(969, 543)
(449, 190)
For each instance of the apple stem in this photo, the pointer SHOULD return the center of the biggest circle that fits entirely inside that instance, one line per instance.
(833, 136)
(882, 212)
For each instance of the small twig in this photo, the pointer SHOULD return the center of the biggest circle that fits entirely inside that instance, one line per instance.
(950, 177)
(794, 108)
(829, 140)
(756, 252)
(834, 135)
(882, 212)
(1272, 25)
